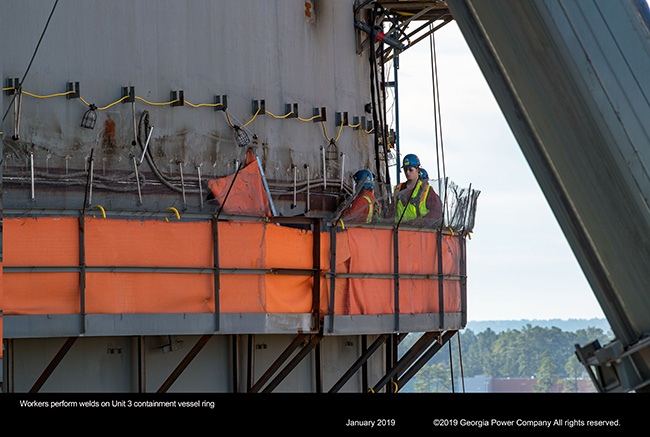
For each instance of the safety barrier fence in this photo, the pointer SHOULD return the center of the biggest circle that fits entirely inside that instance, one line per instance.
(93, 265)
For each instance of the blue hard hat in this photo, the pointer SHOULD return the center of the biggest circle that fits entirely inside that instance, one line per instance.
(364, 177)
(423, 174)
(410, 160)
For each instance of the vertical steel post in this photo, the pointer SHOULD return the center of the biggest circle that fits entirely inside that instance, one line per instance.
(441, 285)
(217, 273)
(396, 273)
(316, 247)
(332, 274)
(82, 271)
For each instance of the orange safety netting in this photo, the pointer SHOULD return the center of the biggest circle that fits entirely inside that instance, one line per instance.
(243, 192)
(1, 309)
(247, 250)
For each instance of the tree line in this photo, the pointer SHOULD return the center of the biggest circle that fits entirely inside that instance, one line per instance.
(532, 351)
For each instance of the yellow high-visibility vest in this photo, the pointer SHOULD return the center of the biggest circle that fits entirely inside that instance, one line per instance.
(416, 205)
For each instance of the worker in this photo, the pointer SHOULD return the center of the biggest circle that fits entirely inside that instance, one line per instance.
(364, 208)
(422, 203)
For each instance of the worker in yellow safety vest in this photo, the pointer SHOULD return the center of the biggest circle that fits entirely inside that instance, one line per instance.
(415, 200)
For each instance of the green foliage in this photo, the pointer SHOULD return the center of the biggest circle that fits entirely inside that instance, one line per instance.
(544, 353)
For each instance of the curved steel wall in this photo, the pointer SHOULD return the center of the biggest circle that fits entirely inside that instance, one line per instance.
(282, 52)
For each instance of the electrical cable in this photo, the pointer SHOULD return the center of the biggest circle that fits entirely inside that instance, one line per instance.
(29, 66)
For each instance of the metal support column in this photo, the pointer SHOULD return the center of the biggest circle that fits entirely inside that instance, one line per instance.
(316, 226)
(441, 284)
(333, 274)
(217, 273)
(142, 364)
(82, 272)
(236, 359)
(396, 273)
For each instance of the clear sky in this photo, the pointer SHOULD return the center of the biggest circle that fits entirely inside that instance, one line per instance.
(520, 265)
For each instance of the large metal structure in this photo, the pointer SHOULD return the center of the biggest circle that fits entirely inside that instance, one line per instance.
(218, 79)
(123, 265)
(571, 80)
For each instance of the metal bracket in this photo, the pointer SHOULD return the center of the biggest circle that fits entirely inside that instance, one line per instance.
(320, 114)
(221, 103)
(259, 105)
(178, 98)
(341, 119)
(12, 86)
(73, 86)
(291, 109)
(130, 92)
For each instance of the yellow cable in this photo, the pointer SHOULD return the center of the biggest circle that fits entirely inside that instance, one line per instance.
(101, 209)
(324, 130)
(229, 122)
(156, 104)
(203, 104)
(175, 211)
(308, 119)
(114, 103)
(279, 116)
(257, 112)
(47, 97)
(339, 133)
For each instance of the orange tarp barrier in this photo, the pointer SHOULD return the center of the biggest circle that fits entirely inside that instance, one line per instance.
(155, 245)
(243, 192)
(1, 308)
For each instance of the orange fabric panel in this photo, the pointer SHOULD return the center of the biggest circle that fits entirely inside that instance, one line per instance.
(371, 296)
(288, 294)
(452, 297)
(41, 293)
(418, 252)
(247, 195)
(418, 296)
(242, 294)
(111, 293)
(152, 243)
(371, 250)
(288, 247)
(43, 241)
(155, 243)
(342, 285)
(450, 255)
(241, 245)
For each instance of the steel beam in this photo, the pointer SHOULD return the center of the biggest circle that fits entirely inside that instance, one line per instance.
(183, 364)
(278, 362)
(53, 364)
(363, 359)
(424, 358)
(409, 357)
(315, 340)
